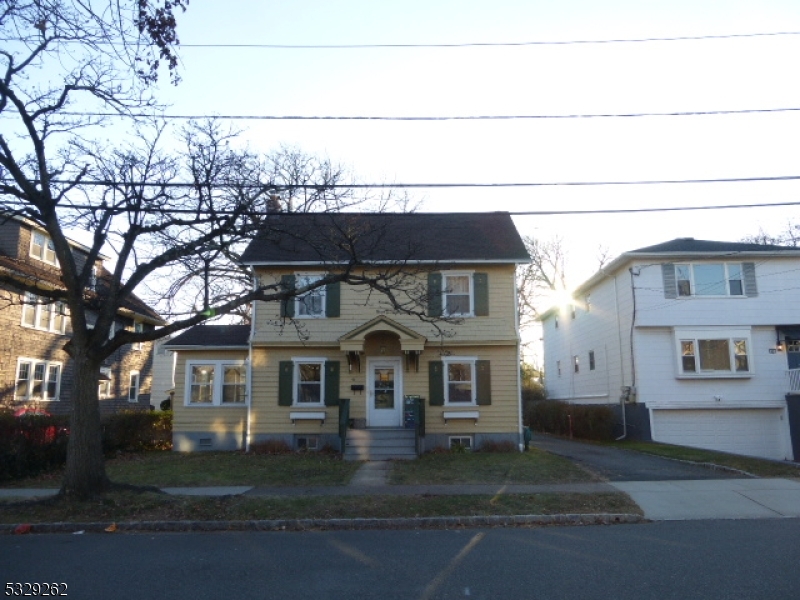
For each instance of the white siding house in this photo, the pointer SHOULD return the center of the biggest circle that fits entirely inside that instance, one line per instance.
(696, 338)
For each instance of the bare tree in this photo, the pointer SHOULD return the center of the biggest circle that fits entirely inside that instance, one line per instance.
(537, 280)
(156, 210)
(790, 236)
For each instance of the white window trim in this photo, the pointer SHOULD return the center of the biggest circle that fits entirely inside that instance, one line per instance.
(470, 279)
(298, 300)
(53, 308)
(47, 364)
(693, 284)
(296, 380)
(43, 256)
(719, 333)
(134, 397)
(471, 360)
(451, 439)
(216, 391)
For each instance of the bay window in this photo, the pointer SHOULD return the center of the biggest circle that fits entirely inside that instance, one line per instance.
(714, 353)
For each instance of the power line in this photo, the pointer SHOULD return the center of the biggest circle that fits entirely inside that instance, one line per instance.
(692, 113)
(493, 44)
(361, 186)
(611, 211)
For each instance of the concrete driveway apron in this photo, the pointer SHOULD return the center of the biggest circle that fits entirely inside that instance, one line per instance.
(671, 490)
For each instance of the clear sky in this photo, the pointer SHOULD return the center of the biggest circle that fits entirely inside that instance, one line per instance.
(549, 79)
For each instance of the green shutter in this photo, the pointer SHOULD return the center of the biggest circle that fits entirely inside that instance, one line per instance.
(332, 383)
(483, 384)
(287, 305)
(436, 383)
(434, 294)
(332, 299)
(480, 282)
(670, 284)
(285, 382)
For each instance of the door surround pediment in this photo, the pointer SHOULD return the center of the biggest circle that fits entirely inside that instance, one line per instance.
(410, 340)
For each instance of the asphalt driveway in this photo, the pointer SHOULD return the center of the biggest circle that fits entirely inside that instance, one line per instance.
(613, 464)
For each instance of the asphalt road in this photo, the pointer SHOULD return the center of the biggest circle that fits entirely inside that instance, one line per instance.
(614, 464)
(704, 560)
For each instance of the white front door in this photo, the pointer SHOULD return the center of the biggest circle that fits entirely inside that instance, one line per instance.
(384, 393)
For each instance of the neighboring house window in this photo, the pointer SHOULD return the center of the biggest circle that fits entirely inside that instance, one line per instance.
(558, 367)
(43, 315)
(591, 360)
(138, 327)
(133, 388)
(710, 279)
(42, 248)
(576, 363)
(37, 380)
(92, 285)
(104, 385)
(707, 353)
(459, 381)
(215, 383)
(555, 320)
(308, 382)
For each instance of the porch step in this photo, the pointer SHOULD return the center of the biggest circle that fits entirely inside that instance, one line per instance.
(380, 444)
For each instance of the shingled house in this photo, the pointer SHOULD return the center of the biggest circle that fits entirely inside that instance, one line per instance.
(34, 369)
(433, 364)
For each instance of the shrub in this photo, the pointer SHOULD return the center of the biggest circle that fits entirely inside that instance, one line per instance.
(584, 421)
(31, 444)
(271, 446)
(137, 431)
(504, 446)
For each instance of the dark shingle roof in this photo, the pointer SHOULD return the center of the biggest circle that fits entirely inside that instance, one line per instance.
(228, 336)
(51, 275)
(692, 245)
(375, 237)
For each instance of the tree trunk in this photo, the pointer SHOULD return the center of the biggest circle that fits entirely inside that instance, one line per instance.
(85, 474)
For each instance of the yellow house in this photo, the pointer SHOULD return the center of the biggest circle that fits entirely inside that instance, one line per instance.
(416, 347)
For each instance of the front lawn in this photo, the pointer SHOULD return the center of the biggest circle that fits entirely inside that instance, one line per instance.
(532, 467)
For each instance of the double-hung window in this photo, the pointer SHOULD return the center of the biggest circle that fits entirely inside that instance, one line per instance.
(216, 383)
(710, 353)
(133, 387)
(457, 294)
(37, 380)
(42, 248)
(710, 279)
(309, 382)
(312, 303)
(459, 381)
(39, 313)
(104, 385)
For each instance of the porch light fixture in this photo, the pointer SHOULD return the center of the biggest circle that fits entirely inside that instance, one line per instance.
(412, 360)
(354, 361)
(780, 346)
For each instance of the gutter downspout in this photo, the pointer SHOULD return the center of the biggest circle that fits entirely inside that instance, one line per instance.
(250, 368)
(621, 367)
(520, 434)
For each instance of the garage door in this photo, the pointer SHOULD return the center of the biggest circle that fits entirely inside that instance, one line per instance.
(750, 432)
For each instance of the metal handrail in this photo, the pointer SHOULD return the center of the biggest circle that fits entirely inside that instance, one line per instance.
(344, 421)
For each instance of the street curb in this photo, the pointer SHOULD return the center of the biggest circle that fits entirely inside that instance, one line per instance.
(333, 524)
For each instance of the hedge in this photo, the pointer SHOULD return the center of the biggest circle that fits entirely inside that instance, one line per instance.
(584, 421)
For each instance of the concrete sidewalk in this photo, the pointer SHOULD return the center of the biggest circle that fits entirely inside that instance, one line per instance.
(715, 499)
(750, 498)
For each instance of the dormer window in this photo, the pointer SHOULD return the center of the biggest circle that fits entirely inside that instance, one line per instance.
(42, 248)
